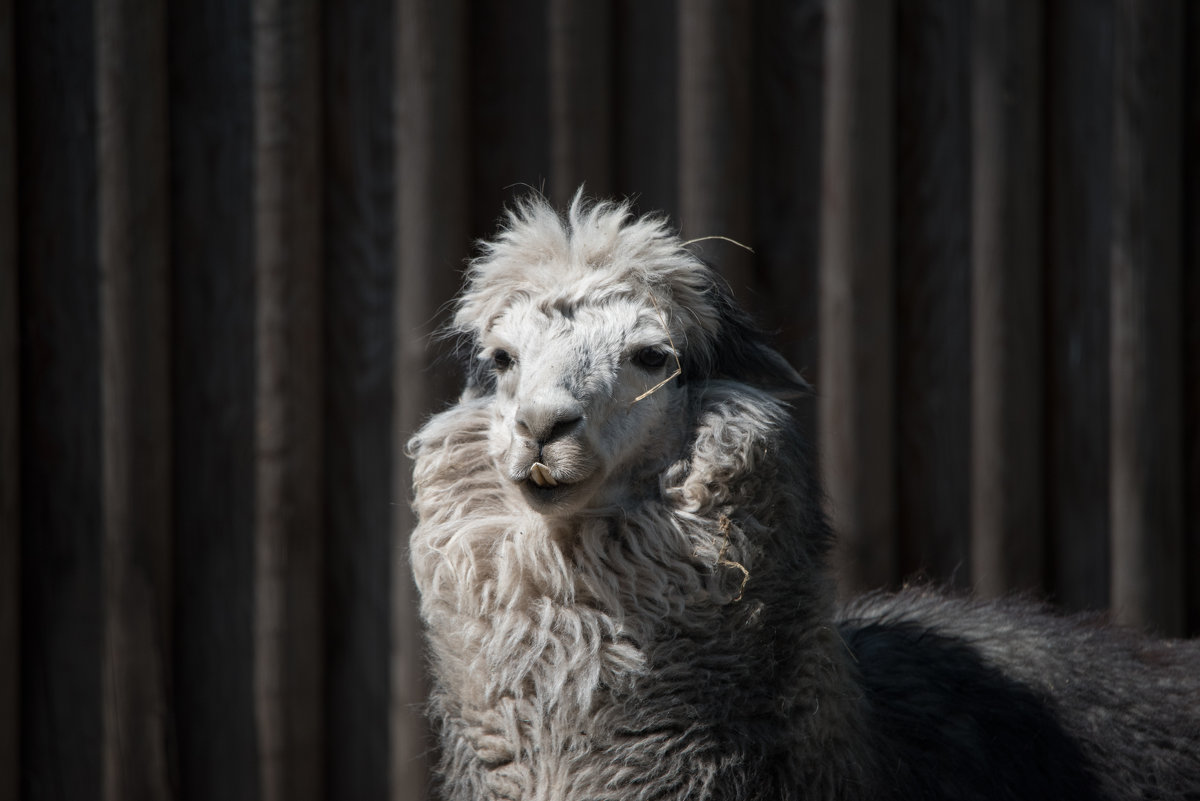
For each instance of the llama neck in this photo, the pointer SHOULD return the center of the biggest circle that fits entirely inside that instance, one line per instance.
(604, 645)
(768, 686)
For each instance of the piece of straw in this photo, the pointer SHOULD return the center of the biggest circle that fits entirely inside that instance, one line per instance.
(725, 523)
(722, 238)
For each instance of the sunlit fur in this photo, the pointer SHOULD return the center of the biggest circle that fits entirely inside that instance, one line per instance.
(661, 624)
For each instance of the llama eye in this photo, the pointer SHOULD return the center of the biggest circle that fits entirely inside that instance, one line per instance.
(650, 358)
(502, 360)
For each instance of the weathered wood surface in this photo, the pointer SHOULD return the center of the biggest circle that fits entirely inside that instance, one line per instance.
(359, 350)
(1146, 428)
(61, 457)
(646, 124)
(289, 505)
(788, 121)
(1006, 308)
(229, 230)
(715, 122)
(214, 379)
(1077, 231)
(581, 98)
(857, 362)
(509, 148)
(933, 287)
(135, 358)
(432, 242)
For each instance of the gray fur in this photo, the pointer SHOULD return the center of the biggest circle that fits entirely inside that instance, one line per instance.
(661, 625)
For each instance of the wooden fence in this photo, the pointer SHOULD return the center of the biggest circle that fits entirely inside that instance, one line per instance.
(228, 226)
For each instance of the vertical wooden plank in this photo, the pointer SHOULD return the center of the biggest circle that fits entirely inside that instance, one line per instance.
(789, 65)
(1146, 425)
(10, 474)
(510, 105)
(933, 295)
(61, 471)
(857, 378)
(1006, 489)
(1191, 301)
(213, 299)
(289, 577)
(580, 98)
(1078, 233)
(433, 241)
(135, 327)
(715, 179)
(359, 292)
(646, 103)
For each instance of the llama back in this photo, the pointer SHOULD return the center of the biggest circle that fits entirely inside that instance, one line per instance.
(1005, 695)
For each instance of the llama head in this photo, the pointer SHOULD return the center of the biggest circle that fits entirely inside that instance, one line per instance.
(587, 331)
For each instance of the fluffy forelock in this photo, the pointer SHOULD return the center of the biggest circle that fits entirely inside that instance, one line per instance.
(594, 252)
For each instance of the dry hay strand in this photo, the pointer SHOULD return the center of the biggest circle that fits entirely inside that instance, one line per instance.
(725, 523)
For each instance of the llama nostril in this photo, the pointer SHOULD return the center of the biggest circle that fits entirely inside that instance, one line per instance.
(561, 429)
(544, 426)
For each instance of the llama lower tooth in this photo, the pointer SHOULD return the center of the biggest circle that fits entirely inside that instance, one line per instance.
(541, 475)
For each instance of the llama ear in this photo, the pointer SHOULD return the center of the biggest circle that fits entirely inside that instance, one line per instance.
(741, 352)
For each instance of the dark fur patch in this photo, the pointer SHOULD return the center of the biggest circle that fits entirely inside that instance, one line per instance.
(741, 350)
(948, 726)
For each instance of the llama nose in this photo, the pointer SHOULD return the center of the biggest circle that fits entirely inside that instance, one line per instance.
(545, 424)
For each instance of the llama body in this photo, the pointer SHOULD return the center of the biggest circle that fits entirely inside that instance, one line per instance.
(621, 558)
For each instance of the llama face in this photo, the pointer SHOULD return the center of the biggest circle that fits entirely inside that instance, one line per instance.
(571, 418)
(568, 319)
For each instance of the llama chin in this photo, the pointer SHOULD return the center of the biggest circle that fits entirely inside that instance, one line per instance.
(622, 560)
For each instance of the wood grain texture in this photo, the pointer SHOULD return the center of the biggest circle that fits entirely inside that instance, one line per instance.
(857, 377)
(1146, 424)
(228, 231)
(359, 355)
(10, 455)
(788, 52)
(933, 295)
(1078, 231)
(433, 241)
(581, 129)
(134, 251)
(1007, 397)
(214, 380)
(61, 457)
(646, 104)
(715, 126)
(289, 508)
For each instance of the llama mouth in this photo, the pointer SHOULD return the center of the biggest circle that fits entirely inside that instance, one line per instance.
(542, 487)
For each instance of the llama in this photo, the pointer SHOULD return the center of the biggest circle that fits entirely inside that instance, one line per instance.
(622, 561)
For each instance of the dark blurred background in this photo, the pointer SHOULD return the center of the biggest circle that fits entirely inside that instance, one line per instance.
(228, 227)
